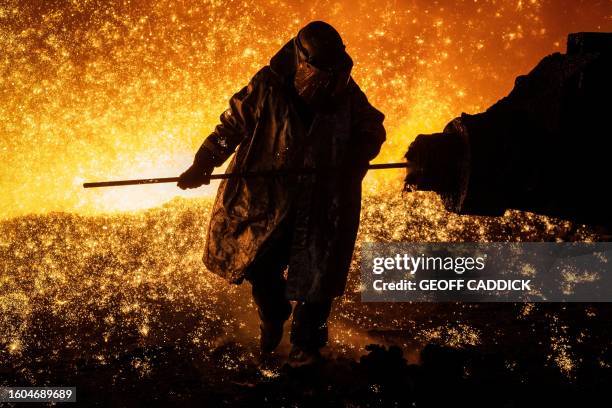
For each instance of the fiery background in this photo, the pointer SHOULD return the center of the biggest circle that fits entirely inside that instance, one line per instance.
(95, 90)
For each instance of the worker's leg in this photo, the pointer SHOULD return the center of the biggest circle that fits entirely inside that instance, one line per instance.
(309, 326)
(268, 289)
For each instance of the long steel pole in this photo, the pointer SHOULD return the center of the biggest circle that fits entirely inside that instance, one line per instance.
(266, 173)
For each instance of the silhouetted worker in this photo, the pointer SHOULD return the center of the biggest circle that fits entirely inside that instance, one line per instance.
(302, 111)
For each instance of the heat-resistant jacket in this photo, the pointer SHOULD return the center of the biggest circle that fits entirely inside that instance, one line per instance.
(264, 125)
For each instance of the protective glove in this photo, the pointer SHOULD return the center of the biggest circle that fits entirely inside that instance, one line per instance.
(199, 172)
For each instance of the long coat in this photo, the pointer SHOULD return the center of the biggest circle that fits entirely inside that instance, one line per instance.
(264, 125)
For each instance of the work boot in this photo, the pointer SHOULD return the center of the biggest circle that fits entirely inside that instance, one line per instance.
(299, 357)
(271, 334)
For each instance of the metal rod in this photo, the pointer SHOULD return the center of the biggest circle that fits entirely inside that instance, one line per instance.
(266, 173)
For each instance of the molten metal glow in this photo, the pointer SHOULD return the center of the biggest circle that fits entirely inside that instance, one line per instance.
(122, 89)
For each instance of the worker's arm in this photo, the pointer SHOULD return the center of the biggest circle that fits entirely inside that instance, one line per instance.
(237, 122)
(367, 130)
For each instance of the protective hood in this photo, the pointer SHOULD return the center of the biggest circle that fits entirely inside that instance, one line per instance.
(315, 86)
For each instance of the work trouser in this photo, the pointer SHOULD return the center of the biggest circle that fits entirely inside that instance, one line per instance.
(309, 325)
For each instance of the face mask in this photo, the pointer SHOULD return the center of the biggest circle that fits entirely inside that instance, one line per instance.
(317, 86)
